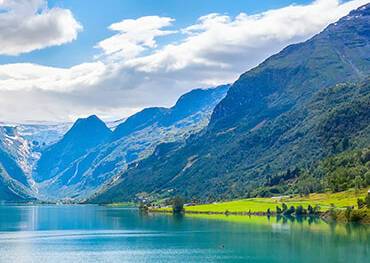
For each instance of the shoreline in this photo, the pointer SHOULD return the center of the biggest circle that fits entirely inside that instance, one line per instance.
(325, 216)
(215, 213)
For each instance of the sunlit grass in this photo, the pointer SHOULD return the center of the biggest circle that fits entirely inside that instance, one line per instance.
(254, 205)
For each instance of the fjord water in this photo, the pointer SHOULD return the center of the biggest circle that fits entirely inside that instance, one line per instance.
(103, 234)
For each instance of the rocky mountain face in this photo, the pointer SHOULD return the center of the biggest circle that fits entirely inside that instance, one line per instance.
(15, 169)
(288, 112)
(84, 135)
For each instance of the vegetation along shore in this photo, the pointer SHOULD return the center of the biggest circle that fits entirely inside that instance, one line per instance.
(347, 206)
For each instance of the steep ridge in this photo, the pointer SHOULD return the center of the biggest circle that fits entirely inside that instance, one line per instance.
(339, 53)
(287, 112)
(84, 135)
(15, 169)
(139, 121)
(132, 140)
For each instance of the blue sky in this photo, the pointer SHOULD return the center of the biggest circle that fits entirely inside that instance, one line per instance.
(97, 15)
(65, 59)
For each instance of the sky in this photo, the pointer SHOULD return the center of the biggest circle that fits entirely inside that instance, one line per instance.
(60, 60)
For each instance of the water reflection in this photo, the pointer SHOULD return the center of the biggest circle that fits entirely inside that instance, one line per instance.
(100, 234)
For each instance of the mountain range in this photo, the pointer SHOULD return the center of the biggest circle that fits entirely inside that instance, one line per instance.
(272, 127)
(65, 161)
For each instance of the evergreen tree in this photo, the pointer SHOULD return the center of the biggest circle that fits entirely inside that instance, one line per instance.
(278, 210)
(310, 210)
(177, 205)
(285, 207)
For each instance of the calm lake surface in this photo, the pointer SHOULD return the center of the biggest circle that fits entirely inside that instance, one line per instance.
(102, 234)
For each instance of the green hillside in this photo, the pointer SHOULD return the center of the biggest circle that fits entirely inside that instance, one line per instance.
(276, 124)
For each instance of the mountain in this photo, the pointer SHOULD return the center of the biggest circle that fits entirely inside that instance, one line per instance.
(193, 104)
(72, 169)
(20, 148)
(15, 171)
(84, 135)
(288, 112)
(139, 121)
(340, 53)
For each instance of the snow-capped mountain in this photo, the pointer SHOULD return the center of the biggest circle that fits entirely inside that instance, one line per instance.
(70, 160)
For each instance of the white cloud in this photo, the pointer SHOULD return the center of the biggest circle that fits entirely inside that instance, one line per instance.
(28, 25)
(23, 76)
(135, 35)
(233, 45)
(214, 50)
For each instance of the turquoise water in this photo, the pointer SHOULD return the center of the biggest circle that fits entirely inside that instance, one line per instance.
(101, 234)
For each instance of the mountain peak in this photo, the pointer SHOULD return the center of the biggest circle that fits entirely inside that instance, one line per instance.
(91, 125)
(85, 134)
(93, 119)
(361, 11)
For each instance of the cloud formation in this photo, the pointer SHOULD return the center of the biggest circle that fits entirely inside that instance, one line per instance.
(133, 71)
(135, 36)
(28, 25)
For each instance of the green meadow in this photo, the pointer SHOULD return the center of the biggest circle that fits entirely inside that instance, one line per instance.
(255, 205)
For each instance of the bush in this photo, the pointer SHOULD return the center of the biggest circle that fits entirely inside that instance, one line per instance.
(368, 200)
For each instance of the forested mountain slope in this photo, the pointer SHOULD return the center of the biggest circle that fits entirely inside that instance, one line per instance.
(308, 102)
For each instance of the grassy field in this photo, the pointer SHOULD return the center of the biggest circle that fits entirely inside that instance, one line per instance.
(254, 205)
